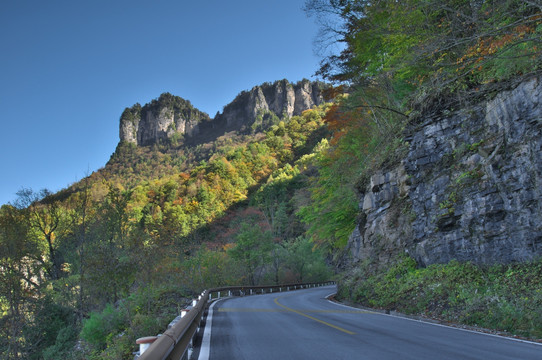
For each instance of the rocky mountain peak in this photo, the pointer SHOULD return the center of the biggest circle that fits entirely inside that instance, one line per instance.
(171, 115)
(160, 119)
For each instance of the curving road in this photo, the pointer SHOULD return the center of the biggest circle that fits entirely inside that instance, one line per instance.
(304, 325)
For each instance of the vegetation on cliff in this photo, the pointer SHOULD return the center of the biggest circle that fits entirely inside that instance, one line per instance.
(403, 61)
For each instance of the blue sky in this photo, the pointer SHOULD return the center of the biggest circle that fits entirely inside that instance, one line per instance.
(69, 68)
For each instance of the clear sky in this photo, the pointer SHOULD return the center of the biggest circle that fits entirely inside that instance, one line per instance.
(68, 68)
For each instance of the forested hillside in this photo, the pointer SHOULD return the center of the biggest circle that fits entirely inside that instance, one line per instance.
(113, 257)
(281, 187)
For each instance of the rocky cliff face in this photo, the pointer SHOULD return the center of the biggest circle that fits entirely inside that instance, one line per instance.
(159, 120)
(279, 98)
(469, 189)
(170, 115)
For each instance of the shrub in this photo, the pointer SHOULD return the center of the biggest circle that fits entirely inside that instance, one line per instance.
(101, 326)
(502, 297)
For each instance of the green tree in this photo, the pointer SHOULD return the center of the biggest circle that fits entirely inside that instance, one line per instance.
(278, 256)
(82, 217)
(305, 260)
(20, 279)
(252, 250)
(426, 46)
(51, 326)
(110, 256)
(209, 268)
(48, 223)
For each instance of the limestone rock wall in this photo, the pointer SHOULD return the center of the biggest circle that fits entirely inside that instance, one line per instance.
(469, 189)
(169, 114)
(129, 123)
(280, 97)
(159, 120)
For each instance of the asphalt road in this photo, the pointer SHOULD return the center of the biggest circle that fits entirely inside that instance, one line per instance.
(302, 324)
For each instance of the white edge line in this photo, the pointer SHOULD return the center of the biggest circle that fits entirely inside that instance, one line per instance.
(205, 349)
(436, 324)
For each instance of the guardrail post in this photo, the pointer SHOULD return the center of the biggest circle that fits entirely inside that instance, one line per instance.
(145, 342)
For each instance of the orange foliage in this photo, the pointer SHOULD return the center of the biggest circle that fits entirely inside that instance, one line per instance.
(339, 121)
(486, 47)
(228, 246)
(184, 176)
(332, 92)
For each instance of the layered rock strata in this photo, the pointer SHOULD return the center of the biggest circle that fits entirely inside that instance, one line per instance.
(470, 187)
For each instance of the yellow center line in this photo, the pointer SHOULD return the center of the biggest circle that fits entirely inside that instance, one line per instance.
(303, 311)
(312, 318)
(249, 310)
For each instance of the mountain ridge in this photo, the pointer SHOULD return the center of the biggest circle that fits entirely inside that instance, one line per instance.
(172, 117)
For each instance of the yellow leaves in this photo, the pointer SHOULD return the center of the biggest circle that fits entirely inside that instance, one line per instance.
(192, 206)
(238, 196)
(228, 246)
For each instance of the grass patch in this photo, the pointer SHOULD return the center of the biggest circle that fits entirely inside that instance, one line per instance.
(500, 297)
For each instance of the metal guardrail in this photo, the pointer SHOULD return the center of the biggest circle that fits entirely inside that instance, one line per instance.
(174, 343)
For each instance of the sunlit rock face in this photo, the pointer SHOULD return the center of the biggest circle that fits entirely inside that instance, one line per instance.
(169, 115)
(470, 187)
(159, 120)
(280, 98)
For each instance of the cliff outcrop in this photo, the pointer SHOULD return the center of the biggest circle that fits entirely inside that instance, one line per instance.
(469, 188)
(280, 98)
(170, 115)
(159, 120)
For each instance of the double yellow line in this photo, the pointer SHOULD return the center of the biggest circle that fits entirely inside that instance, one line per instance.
(311, 317)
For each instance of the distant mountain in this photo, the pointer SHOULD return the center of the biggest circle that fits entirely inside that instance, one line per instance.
(171, 116)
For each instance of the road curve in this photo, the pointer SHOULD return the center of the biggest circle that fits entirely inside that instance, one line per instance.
(302, 324)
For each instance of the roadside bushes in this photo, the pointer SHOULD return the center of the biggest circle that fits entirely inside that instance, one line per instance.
(111, 333)
(101, 325)
(501, 297)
